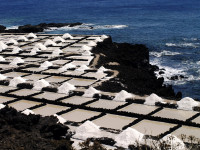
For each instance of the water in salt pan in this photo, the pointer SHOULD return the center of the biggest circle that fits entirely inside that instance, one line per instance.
(50, 43)
(98, 39)
(102, 69)
(58, 39)
(67, 36)
(122, 96)
(40, 46)
(2, 77)
(22, 38)
(128, 137)
(82, 68)
(65, 88)
(12, 41)
(2, 106)
(46, 64)
(28, 112)
(90, 92)
(16, 80)
(87, 130)
(152, 99)
(2, 59)
(174, 142)
(38, 85)
(16, 61)
(56, 52)
(85, 47)
(187, 103)
(92, 43)
(16, 50)
(67, 66)
(87, 53)
(60, 119)
(2, 46)
(31, 35)
(103, 37)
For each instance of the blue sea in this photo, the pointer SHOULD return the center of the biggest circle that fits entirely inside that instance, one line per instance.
(169, 28)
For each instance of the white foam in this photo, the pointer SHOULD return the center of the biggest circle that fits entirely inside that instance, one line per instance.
(60, 119)
(152, 99)
(66, 66)
(2, 59)
(31, 35)
(65, 88)
(87, 53)
(12, 41)
(82, 68)
(90, 92)
(46, 64)
(50, 43)
(38, 85)
(58, 39)
(174, 142)
(164, 53)
(183, 45)
(40, 46)
(2, 106)
(92, 43)
(16, 50)
(12, 27)
(122, 96)
(187, 103)
(67, 36)
(16, 80)
(28, 112)
(85, 47)
(2, 77)
(22, 38)
(16, 60)
(2, 46)
(128, 137)
(87, 130)
(56, 52)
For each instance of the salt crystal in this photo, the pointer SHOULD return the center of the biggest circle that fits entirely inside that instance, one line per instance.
(82, 68)
(187, 103)
(56, 52)
(92, 43)
(50, 43)
(102, 69)
(41, 46)
(2, 106)
(22, 38)
(128, 137)
(38, 85)
(16, 50)
(122, 96)
(2, 77)
(46, 64)
(85, 47)
(16, 80)
(87, 53)
(90, 92)
(28, 112)
(60, 119)
(65, 88)
(67, 66)
(174, 142)
(152, 99)
(58, 39)
(2, 46)
(2, 59)
(12, 41)
(67, 36)
(98, 40)
(31, 35)
(16, 60)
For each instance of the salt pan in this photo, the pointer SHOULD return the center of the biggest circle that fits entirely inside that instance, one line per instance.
(22, 38)
(128, 137)
(12, 41)
(90, 92)
(67, 36)
(152, 99)
(122, 96)
(67, 66)
(60, 119)
(2, 59)
(28, 112)
(34, 51)
(87, 130)
(2, 106)
(2, 77)
(40, 46)
(31, 35)
(50, 43)
(87, 53)
(82, 68)
(85, 47)
(58, 39)
(38, 85)
(46, 64)
(98, 40)
(187, 103)
(16, 60)
(174, 142)
(16, 80)
(56, 52)
(2, 46)
(65, 88)
(92, 43)
(16, 50)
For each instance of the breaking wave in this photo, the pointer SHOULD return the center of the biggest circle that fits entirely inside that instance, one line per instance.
(164, 53)
(183, 45)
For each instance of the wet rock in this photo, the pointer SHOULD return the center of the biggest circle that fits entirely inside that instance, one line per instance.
(161, 72)
(177, 77)
(30, 28)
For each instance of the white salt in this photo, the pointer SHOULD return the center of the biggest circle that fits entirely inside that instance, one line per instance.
(50, 43)
(2, 106)
(2, 46)
(187, 103)
(2, 59)
(22, 38)
(152, 99)
(85, 47)
(46, 64)
(31, 35)
(16, 50)
(98, 40)
(58, 39)
(104, 37)
(38, 85)
(122, 96)
(28, 112)
(67, 36)
(34, 51)
(102, 69)
(67, 66)
(87, 130)
(16, 61)
(2, 77)
(87, 53)
(82, 68)
(65, 88)
(40, 46)
(128, 137)
(16, 80)
(12, 41)
(174, 142)
(60, 119)
(56, 52)
(90, 92)
(92, 43)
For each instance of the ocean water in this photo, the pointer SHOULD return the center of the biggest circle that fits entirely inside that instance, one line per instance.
(169, 28)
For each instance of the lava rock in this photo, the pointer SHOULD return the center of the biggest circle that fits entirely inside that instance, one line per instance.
(2, 28)
(30, 28)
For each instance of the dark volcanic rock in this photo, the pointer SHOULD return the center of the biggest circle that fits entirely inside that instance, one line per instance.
(2, 28)
(177, 77)
(135, 73)
(30, 28)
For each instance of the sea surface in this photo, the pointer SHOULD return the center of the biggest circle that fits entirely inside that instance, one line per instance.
(169, 28)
